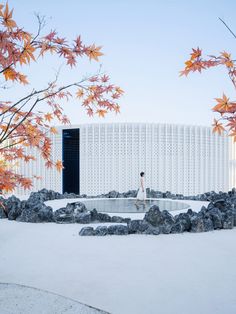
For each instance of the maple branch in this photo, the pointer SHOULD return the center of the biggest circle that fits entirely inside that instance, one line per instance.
(41, 24)
(33, 93)
(13, 144)
(78, 84)
(10, 120)
(227, 27)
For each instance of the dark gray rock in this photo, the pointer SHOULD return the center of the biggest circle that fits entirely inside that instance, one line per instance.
(190, 212)
(126, 220)
(216, 217)
(166, 228)
(39, 213)
(83, 218)
(101, 231)
(130, 193)
(104, 217)
(117, 219)
(113, 194)
(94, 215)
(137, 226)
(228, 219)
(77, 207)
(152, 230)
(3, 214)
(118, 230)
(157, 218)
(153, 216)
(64, 215)
(178, 227)
(12, 206)
(184, 220)
(234, 214)
(201, 224)
(87, 231)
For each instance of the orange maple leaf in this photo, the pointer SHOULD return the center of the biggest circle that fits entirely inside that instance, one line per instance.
(218, 127)
(10, 74)
(93, 52)
(23, 79)
(27, 53)
(119, 90)
(196, 53)
(53, 130)
(59, 165)
(101, 112)
(7, 18)
(48, 117)
(80, 93)
(223, 104)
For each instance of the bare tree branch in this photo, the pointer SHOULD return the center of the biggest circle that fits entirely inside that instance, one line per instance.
(227, 27)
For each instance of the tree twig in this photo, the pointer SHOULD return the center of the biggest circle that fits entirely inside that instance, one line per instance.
(227, 27)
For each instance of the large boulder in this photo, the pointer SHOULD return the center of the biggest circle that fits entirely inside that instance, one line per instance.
(77, 207)
(137, 226)
(87, 231)
(12, 206)
(182, 222)
(64, 215)
(228, 219)
(201, 224)
(177, 227)
(103, 217)
(216, 217)
(152, 230)
(83, 218)
(153, 216)
(94, 215)
(162, 219)
(38, 213)
(101, 231)
(118, 230)
(49, 195)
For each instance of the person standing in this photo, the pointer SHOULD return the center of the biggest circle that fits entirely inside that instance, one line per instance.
(141, 195)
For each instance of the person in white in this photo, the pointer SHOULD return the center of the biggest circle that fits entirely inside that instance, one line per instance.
(141, 196)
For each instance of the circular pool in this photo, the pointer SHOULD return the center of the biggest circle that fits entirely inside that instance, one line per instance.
(127, 205)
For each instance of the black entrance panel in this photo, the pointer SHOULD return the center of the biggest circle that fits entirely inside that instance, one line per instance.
(70, 155)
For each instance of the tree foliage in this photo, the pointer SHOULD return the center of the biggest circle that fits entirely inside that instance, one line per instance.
(225, 107)
(22, 124)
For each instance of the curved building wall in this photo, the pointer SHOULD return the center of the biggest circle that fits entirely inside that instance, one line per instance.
(178, 158)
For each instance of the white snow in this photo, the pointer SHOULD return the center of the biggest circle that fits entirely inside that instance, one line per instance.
(140, 274)
(17, 299)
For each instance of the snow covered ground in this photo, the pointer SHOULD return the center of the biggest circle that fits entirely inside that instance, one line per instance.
(19, 299)
(140, 274)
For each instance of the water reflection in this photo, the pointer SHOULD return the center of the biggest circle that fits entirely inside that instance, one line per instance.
(128, 205)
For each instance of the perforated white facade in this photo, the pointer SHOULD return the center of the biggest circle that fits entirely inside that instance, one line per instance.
(178, 158)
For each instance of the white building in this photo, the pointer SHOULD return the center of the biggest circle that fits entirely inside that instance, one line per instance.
(102, 157)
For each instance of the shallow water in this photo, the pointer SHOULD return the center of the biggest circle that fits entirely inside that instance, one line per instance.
(128, 205)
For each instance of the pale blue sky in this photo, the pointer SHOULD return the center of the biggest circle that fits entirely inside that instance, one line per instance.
(145, 45)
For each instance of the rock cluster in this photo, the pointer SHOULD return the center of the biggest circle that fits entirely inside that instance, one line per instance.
(220, 214)
(78, 213)
(35, 210)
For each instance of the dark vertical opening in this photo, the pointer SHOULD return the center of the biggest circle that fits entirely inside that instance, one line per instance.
(70, 155)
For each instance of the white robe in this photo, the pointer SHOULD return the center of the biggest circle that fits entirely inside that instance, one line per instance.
(142, 194)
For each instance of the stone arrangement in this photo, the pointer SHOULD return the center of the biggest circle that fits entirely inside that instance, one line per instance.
(219, 214)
